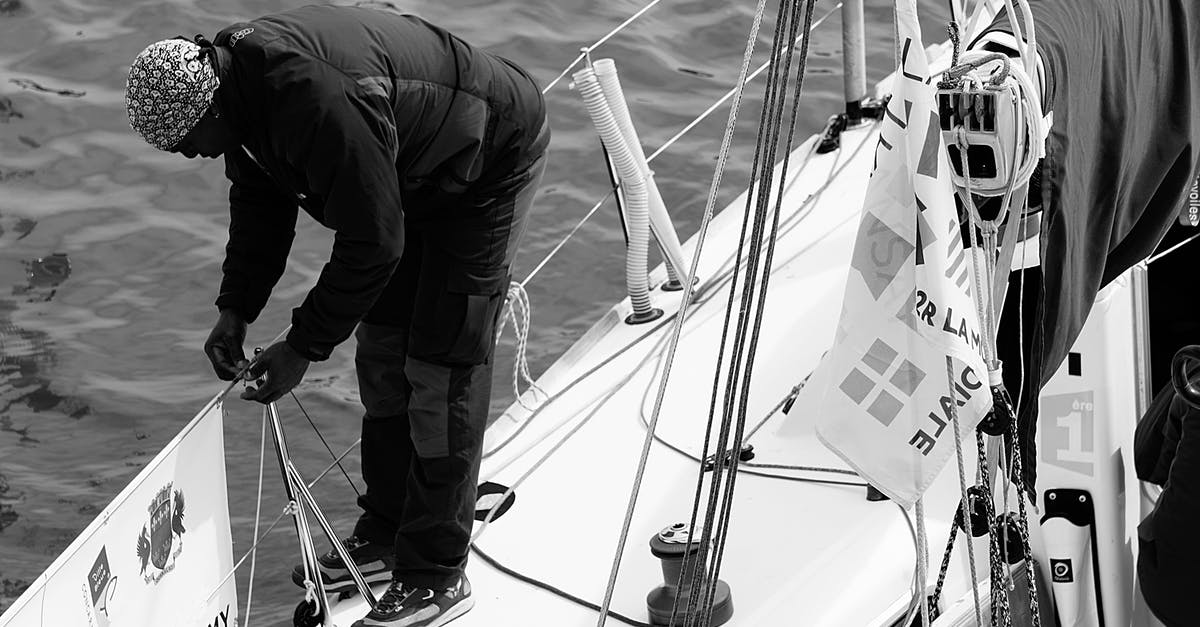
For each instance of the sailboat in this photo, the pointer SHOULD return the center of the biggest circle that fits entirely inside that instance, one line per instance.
(608, 480)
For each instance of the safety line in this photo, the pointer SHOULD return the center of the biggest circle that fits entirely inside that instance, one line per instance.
(588, 49)
(661, 149)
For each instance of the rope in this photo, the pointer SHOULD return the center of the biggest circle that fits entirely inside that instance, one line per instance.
(336, 460)
(553, 449)
(722, 158)
(494, 563)
(945, 567)
(247, 554)
(262, 458)
(1023, 527)
(953, 30)
(667, 144)
(789, 397)
(913, 605)
(701, 296)
(1157, 256)
(692, 567)
(588, 49)
(764, 282)
(288, 509)
(922, 560)
(965, 503)
(661, 149)
(999, 571)
(517, 308)
(334, 464)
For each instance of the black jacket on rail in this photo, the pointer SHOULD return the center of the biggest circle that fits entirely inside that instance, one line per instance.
(348, 113)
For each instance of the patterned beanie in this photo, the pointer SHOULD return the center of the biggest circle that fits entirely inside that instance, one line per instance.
(170, 87)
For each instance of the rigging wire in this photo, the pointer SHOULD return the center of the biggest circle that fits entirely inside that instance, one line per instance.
(723, 156)
(1156, 256)
(252, 552)
(585, 51)
(661, 149)
(771, 121)
(260, 537)
(537, 583)
(702, 295)
(764, 281)
(691, 566)
(336, 460)
(262, 458)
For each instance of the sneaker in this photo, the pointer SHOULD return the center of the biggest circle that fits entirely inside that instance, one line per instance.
(375, 561)
(403, 606)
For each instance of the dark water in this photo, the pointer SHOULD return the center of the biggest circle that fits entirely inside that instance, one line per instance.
(110, 250)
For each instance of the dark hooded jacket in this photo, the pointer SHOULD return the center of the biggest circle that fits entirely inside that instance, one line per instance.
(352, 113)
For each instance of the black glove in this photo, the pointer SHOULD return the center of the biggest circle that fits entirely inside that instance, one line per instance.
(284, 368)
(224, 345)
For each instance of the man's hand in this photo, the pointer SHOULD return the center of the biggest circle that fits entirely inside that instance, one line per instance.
(284, 368)
(224, 345)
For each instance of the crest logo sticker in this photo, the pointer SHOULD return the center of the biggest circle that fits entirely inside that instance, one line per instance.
(154, 545)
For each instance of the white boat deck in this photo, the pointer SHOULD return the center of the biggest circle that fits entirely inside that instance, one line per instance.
(799, 553)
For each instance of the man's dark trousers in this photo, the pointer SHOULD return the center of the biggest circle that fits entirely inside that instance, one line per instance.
(424, 371)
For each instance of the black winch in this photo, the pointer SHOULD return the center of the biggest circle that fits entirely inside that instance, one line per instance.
(672, 545)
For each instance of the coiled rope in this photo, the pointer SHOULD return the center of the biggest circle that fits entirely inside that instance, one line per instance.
(517, 309)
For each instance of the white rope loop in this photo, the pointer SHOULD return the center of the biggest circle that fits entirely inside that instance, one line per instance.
(517, 309)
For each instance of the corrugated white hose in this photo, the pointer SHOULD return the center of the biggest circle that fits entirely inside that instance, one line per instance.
(660, 220)
(634, 184)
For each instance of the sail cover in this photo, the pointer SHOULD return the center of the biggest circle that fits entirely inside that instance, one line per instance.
(905, 362)
(1123, 81)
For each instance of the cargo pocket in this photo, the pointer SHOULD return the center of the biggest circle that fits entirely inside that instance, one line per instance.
(480, 293)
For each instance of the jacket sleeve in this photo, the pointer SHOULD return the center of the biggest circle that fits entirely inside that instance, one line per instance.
(345, 150)
(262, 224)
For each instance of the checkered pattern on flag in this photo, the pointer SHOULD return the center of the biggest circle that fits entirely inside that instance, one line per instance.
(883, 396)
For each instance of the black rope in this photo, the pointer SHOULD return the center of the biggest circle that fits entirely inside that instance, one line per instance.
(766, 278)
(737, 380)
(953, 30)
(336, 460)
(771, 475)
(491, 561)
(691, 562)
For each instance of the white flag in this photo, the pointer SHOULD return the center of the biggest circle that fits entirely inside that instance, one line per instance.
(884, 396)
